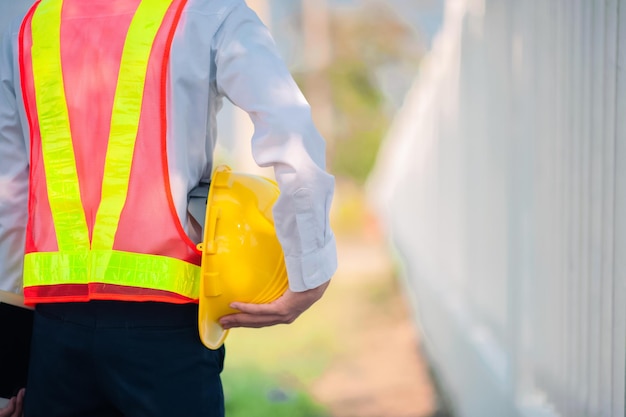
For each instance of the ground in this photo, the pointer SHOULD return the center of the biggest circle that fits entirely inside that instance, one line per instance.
(380, 371)
(357, 350)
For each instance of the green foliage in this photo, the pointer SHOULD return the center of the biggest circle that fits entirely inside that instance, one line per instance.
(364, 40)
(359, 120)
(250, 393)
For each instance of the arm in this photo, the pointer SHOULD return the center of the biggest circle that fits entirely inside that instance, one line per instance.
(13, 171)
(252, 75)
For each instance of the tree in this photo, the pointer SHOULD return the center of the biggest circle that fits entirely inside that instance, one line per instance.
(365, 40)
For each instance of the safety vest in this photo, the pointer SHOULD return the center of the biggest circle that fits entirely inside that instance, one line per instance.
(102, 222)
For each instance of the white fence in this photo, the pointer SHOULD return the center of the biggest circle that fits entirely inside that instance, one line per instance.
(503, 186)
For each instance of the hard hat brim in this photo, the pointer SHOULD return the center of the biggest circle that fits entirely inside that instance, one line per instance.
(212, 333)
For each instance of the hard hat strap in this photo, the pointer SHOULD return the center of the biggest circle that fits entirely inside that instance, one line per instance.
(196, 202)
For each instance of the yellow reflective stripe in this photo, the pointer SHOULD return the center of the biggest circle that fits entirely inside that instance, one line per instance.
(56, 139)
(112, 267)
(43, 268)
(125, 118)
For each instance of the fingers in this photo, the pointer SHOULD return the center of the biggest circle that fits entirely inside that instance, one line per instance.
(15, 406)
(9, 409)
(252, 321)
(258, 315)
(284, 310)
(19, 404)
(265, 309)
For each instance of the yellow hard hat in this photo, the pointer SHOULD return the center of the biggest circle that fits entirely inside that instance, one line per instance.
(242, 259)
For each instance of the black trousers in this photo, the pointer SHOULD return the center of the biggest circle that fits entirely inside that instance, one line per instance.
(110, 358)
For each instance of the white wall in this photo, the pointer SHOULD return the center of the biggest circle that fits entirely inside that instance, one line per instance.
(503, 187)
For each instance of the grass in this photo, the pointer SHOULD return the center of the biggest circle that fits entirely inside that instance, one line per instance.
(250, 392)
(270, 371)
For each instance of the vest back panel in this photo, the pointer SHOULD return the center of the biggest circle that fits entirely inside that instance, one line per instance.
(146, 236)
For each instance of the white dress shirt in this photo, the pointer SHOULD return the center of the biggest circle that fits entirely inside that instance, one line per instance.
(220, 49)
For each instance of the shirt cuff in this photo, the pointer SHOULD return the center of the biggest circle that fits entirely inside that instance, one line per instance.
(313, 269)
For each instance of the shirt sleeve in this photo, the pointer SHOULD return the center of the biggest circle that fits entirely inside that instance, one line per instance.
(13, 171)
(252, 75)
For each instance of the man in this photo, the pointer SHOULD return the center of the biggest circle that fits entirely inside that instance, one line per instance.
(107, 121)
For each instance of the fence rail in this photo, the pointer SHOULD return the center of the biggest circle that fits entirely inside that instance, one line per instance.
(504, 187)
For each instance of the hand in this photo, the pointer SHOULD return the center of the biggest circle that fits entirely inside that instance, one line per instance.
(284, 310)
(15, 406)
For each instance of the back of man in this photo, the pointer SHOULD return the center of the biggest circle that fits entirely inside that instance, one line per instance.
(107, 121)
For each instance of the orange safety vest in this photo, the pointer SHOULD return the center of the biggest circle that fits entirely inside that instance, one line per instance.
(102, 222)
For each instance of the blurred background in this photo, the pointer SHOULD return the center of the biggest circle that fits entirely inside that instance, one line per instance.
(480, 159)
